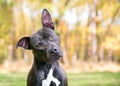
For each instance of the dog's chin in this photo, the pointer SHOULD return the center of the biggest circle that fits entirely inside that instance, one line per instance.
(53, 58)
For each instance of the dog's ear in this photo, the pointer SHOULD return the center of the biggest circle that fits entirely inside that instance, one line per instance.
(46, 19)
(24, 42)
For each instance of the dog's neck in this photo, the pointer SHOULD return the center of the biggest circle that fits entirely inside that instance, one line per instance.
(38, 62)
(40, 57)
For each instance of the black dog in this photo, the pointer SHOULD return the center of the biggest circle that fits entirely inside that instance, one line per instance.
(46, 49)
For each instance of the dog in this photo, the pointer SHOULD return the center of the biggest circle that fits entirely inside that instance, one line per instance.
(45, 46)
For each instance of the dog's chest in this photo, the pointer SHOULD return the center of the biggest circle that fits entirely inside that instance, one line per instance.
(50, 78)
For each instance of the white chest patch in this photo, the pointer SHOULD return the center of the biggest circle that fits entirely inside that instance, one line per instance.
(50, 78)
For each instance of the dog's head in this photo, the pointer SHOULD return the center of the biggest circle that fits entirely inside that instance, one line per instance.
(45, 44)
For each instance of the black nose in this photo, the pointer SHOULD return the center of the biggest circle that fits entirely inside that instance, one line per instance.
(54, 51)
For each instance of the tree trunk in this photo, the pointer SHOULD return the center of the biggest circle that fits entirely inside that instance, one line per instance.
(101, 53)
(94, 43)
(92, 23)
(110, 55)
(13, 37)
(86, 46)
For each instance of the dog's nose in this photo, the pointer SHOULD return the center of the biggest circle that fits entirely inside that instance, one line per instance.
(54, 51)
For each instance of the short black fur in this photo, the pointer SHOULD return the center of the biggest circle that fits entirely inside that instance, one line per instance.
(45, 45)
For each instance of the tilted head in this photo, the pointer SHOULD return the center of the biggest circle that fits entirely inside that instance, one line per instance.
(45, 44)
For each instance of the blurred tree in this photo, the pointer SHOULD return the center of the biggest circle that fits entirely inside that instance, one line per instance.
(5, 27)
(88, 29)
(111, 17)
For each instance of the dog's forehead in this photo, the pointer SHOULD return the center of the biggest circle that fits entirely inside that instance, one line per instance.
(47, 30)
(43, 31)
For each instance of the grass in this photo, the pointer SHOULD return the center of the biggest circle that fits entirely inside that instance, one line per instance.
(12, 79)
(95, 79)
(80, 79)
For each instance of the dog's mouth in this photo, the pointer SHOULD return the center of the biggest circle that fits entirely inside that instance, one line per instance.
(52, 57)
(55, 55)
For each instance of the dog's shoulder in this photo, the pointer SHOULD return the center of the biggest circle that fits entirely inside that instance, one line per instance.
(60, 74)
(58, 71)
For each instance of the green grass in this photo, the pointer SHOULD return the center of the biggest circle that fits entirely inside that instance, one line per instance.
(13, 79)
(95, 79)
(80, 79)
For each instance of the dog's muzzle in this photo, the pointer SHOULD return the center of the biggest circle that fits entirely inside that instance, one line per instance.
(55, 50)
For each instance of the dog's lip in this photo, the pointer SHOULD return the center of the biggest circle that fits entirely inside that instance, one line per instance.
(60, 55)
(56, 55)
(53, 60)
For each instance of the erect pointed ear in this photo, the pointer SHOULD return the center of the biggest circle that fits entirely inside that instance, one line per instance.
(46, 19)
(24, 42)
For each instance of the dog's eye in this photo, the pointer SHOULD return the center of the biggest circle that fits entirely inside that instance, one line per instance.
(45, 35)
(51, 37)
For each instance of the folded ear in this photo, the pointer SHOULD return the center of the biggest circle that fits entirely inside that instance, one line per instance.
(46, 19)
(24, 42)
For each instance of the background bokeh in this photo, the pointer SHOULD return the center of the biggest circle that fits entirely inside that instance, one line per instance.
(89, 29)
